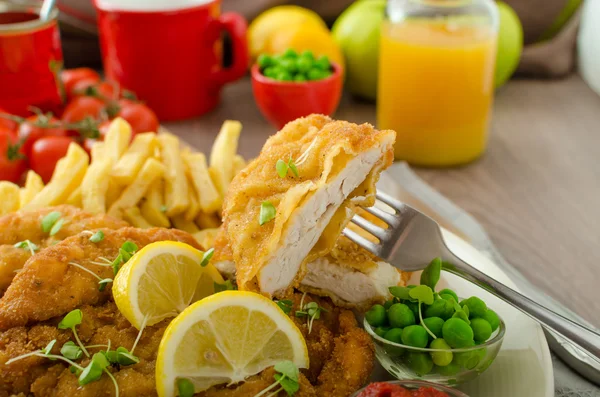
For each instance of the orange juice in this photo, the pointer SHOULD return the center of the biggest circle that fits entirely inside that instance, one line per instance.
(436, 84)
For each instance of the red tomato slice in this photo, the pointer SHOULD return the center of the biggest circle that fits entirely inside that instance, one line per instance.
(46, 152)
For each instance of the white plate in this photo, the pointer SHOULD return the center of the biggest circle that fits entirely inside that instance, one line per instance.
(523, 367)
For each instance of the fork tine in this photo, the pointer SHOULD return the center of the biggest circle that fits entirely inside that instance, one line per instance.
(375, 230)
(363, 242)
(389, 200)
(388, 218)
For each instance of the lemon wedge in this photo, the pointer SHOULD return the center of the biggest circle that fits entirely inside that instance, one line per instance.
(224, 339)
(162, 280)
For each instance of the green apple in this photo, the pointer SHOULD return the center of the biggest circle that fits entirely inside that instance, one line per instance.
(357, 32)
(510, 44)
(561, 20)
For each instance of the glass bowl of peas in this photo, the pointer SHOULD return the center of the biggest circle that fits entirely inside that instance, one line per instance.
(434, 335)
(291, 85)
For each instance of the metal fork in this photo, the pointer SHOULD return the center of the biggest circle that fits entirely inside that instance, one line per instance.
(412, 239)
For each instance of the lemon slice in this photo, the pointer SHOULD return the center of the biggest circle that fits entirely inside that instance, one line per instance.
(160, 281)
(224, 339)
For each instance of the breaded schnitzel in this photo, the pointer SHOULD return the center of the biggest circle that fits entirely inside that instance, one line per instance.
(50, 285)
(26, 226)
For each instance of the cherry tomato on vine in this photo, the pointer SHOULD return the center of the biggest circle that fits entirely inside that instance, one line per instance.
(46, 152)
(139, 116)
(89, 87)
(12, 159)
(7, 123)
(39, 126)
(70, 77)
(81, 107)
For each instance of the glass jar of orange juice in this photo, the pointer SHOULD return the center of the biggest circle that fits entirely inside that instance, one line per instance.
(436, 78)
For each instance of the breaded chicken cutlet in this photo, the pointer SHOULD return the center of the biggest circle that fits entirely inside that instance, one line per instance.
(20, 227)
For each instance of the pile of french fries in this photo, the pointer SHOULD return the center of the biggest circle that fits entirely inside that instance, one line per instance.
(152, 180)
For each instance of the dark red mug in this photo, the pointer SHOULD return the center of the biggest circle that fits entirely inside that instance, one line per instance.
(169, 52)
(30, 60)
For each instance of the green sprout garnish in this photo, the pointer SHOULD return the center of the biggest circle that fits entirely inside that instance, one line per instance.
(45, 353)
(56, 227)
(121, 356)
(48, 349)
(71, 351)
(102, 282)
(206, 257)
(97, 237)
(282, 168)
(185, 388)
(423, 294)
(267, 212)
(226, 286)
(163, 208)
(125, 253)
(27, 245)
(285, 305)
(286, 378)
(94, 369)
(311, 310)
(71, 321)
(49, 221)
(431, 274)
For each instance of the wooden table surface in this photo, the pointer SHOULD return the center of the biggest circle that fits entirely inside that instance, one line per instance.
(536, 190)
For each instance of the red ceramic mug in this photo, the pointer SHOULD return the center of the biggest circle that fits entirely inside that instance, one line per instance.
(169, 52)
(30, 59)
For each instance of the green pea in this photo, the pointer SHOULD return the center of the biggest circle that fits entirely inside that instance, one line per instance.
(376, 316)
(304, 64)
(415, 335)
(419, 362)
(447, 291)
(448, 370)
(289, 65)
(264, 61)
(308, 55)
(380, 331)
(271, 72)
(316, 74)
(434, 324)
(394, 335)
(401, 316)
(323, 63)
(290, 53)
(441, 358)
(477, 307)
(388, 304)
(440, 308)
(482, 330)
(491, 317)
(414, 307)
(299, 78)
(457, 333)
(284, 76)
(469, 359)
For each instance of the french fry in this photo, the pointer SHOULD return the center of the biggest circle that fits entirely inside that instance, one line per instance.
(33, 185)
(113, 193)
(135, 218)
(95, 185)
(206, 237)
(75, 197)
(238, 164)
(208, 221)
(194, 207)
(176, 184)
(130, 163)
(150, 172)
(223, 153)
(208, 197)
(9, 193)
(68, 174)
(117, 139)
(180, 223)
(97, 151)
(152, 207)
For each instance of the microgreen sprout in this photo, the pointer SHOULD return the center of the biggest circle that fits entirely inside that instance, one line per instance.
(139, 335)
(163, 208)
(267, 212)
(56, 227)
(226, 286)
(71, 351)
(185, 388)
(285, 305)
(431, 274)
(206, 257)
(71, 321)
(97, 237)
(45, 353)
(125, 253)
(27, 245)
(286, 378)
(311, 310)
(282, 168)
(461, 312)
(423, 294)
(50, 220)
(94, 369)
(102, 282)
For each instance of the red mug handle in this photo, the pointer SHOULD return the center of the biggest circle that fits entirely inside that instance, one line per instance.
(236, 26)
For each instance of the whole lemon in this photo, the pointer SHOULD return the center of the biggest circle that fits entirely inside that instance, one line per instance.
(268, 25)
(510, 44)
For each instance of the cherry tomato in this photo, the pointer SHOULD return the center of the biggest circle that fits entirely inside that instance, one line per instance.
(7, 123)
(36, 127)
(89, 87)
(81, 107)
(46, 152)
(139, 116)
(70, 77)
(12, 160)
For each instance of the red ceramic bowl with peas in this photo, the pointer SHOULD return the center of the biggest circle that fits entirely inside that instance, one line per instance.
(293, 85)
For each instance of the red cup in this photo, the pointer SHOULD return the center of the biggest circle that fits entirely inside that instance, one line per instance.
(284, 101)
(30, 59)
(169, 52)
